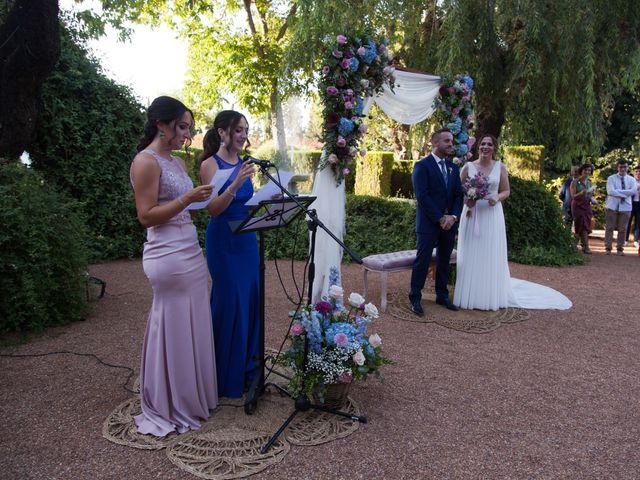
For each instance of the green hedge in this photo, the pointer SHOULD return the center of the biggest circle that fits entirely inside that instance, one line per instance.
(85, 142)
(373, 174)
(401, 183)
(536, 233)
(43, 253)
(524, 161)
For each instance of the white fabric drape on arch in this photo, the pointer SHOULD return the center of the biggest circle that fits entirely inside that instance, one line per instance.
(410, 102)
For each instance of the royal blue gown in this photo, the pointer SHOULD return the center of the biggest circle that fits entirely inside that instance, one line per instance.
(234, 263)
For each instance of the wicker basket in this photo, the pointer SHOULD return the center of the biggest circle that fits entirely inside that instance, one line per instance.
(336, 395)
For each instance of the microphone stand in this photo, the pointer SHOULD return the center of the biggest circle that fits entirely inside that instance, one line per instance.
(303, 403)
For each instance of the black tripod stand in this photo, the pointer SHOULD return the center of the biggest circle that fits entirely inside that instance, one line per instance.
(303, 403)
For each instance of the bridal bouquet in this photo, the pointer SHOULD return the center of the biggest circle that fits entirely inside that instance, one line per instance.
(476, 188)
(337, 345)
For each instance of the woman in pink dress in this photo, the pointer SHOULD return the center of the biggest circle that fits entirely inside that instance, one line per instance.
(177, 374)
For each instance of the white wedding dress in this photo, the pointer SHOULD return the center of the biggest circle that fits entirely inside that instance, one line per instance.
(483, 280)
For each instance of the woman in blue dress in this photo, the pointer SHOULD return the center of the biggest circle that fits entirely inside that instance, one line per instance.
(233, 259)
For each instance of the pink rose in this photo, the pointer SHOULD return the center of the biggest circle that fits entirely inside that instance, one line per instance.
(333, 158)
(348, 105)
(345, 172)
(345, 63)
(341, 339)
(322, 306)
(471, 142)
(375, 340)
(332, 90)
(345, 377)
(341, 39)
(358, 358)
(325, 69)
(361, 51)
(296, 329)
(451, 89)
(340, 82)
(363, 153)
(456, 111)
(363, 128)
(337, 54)
(341, 142)
(349, 92)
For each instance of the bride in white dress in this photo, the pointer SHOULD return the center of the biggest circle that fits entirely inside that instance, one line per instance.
(483, 280)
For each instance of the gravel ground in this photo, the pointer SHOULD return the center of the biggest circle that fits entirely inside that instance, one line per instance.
(553, 397)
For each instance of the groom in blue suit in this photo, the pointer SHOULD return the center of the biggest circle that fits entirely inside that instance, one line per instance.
(438, 191)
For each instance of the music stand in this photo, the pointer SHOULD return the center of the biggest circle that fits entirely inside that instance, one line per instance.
(302, 403)
(267, 215)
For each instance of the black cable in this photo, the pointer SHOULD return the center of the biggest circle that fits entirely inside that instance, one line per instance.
(63, 352)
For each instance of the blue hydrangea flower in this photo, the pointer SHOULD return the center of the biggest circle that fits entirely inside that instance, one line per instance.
(354, 64)
(462, 137)
(461, 150)
(468, 81)
(336, 328)
(370, 52)
(345, 126)
(359, 106)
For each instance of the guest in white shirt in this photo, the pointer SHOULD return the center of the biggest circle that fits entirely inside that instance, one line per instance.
(635, 212)
(620, 190)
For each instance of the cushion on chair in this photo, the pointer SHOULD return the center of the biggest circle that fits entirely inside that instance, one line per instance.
(396, 260)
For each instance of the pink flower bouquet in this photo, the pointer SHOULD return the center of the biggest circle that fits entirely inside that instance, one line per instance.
(476, 188)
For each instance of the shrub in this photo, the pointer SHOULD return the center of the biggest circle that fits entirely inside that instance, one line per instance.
(401, 183)
(536, 234)
(86, 139)
(43, 254)
(524, 161)
(373, 174)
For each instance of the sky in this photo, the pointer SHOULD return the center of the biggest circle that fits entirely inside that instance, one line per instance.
(142, 61)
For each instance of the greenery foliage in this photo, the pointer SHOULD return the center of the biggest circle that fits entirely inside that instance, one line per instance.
(43, 253)
(524, 161)
(536, 234)
(373, 174)
(401, 182)
(85, 142)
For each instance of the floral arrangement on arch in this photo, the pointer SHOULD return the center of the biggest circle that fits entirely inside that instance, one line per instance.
(339, 349)
(454, 105)
(356, 67)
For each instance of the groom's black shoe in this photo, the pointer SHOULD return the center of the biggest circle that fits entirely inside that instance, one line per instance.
(447, 303)
(417, 308)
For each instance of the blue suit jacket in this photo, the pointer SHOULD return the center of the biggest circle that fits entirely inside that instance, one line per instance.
(434, 197)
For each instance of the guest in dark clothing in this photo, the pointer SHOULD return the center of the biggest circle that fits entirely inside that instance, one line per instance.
(581, 194)
(635, 211)
(565, 195)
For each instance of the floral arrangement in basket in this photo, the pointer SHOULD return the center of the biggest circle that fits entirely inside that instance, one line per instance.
(356, 67)
(339, 348)
(454, 106)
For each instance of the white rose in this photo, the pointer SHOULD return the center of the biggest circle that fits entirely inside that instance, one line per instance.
(375, 340)
(364, 82)
(335, 291)
(370, 310)
(471, 192)
(355, 300)
(358, 358)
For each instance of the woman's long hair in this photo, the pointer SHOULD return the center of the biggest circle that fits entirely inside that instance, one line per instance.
(211, 142)
(162, 109)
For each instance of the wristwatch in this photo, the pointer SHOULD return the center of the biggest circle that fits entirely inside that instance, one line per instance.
(455, 218)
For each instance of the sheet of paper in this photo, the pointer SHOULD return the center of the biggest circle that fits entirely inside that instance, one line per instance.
(217, 182)
(270, 189)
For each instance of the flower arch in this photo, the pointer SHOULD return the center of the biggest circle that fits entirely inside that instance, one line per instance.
(356, 67)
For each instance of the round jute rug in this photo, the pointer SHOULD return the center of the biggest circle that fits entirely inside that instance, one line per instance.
(228, 444)
(469, 321)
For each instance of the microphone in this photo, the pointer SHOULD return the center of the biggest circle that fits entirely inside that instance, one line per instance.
(260, 163)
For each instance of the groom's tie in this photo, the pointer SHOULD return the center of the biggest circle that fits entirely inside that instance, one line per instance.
(444, 171)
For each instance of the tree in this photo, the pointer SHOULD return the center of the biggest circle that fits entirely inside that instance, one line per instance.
(29, 48)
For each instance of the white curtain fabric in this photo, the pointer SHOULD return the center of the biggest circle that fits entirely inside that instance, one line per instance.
(411, 102)
(412, 99)
(330, 208)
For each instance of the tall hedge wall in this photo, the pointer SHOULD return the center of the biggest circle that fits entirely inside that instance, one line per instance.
(525, 161)
(373, 174)
(86, 140)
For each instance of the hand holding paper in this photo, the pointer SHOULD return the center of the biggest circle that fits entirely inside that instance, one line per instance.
(270, 189)
(217, 182)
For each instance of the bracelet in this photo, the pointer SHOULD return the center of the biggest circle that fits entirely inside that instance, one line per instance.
(233, 195)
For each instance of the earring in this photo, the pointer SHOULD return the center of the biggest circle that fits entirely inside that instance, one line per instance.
(161, 134)
(222, 143)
